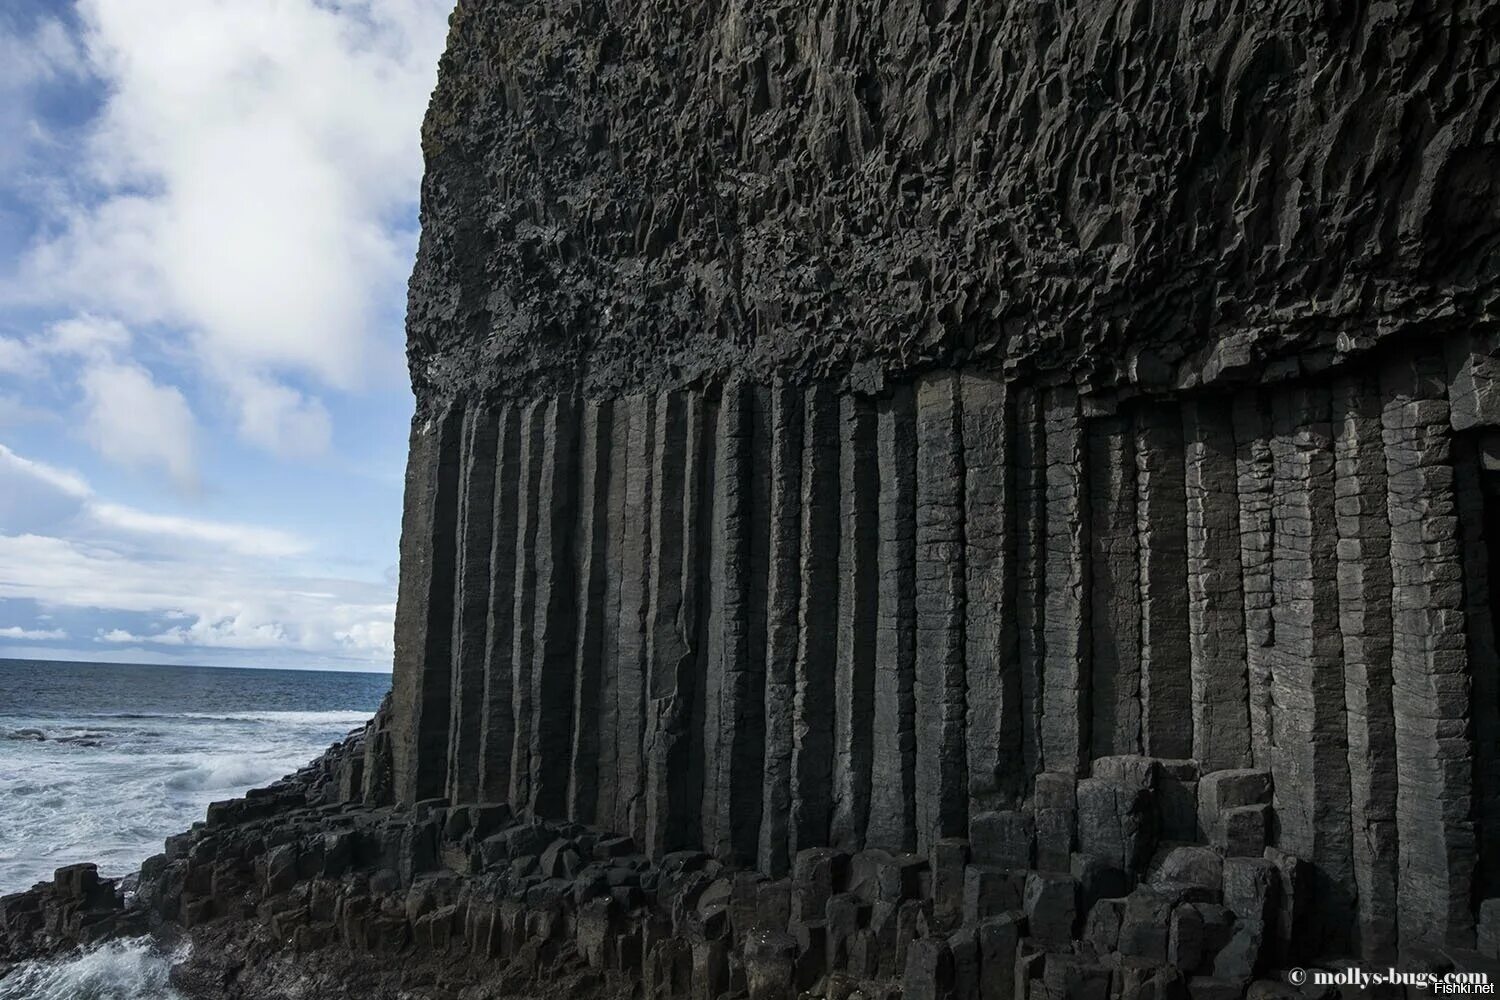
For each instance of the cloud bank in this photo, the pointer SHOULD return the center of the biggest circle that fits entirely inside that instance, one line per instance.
(205, 585)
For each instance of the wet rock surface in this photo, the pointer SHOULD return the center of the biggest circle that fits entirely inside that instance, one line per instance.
(294, 891)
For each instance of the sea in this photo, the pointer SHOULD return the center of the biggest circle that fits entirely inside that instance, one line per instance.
(101, 762)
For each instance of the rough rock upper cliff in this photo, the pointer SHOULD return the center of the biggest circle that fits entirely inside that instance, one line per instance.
(643, 192)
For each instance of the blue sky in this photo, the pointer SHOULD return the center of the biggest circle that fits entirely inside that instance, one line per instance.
(207, 218)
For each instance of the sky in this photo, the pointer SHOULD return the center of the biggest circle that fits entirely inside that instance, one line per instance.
(208, 213)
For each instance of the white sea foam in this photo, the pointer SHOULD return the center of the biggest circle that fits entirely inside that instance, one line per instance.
(111, 790)
(136, 969)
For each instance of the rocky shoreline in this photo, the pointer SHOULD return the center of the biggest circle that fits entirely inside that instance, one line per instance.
(312, 887)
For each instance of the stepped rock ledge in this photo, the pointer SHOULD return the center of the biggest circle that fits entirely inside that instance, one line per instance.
(921, 499)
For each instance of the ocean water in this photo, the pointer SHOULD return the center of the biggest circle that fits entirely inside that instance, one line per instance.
(101, 762)
(137, 969)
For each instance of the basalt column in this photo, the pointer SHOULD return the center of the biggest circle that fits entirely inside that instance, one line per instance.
(893, 817)
(497, 730)
(783, 599)
(673, 769)
(991, 668)
(1484, 664)
(853, 692)
(1311, 758)
(421, 695)
(1221, 719)
(1114, 590)
(1429, 661)
(939, 693)
(1065, 640)
(1255, 489)
(1364, 582)
(471, 618)
(813, 713)
(734, 726)
(1161, 521)
(632, 601)
(593, 679)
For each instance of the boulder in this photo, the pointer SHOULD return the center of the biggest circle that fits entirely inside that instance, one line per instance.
(1219, 791)
(1051, 905)
(1116, 823)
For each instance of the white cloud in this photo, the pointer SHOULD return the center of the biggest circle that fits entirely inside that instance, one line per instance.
(37, 498)
(210, 585)
(84, 336)
(32, 635)
(15, 357)
(281, 420)
(251, 181)
(134, 421)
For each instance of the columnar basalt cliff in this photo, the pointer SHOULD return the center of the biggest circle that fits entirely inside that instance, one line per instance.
(978, 501)
(840, 422)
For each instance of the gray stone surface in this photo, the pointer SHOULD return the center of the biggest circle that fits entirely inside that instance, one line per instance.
(1255, 490)
(475, 529)
(782, 603)
(1364, 580)
(893, 819)
(992, 672)
(1311, 759)
(1114, 589)
(592, 682)
(813, 713)
(1065, 639)
(941, 757)
(1161, 529)
(1216, 626)
(853, 693)
(1428, 661)
(421, 700)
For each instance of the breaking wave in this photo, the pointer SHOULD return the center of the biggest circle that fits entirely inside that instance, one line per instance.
(135, 969)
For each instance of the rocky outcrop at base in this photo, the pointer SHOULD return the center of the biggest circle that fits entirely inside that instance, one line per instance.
(1093, 891)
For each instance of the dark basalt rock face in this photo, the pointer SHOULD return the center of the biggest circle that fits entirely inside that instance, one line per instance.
(639, 195)
(944, 500)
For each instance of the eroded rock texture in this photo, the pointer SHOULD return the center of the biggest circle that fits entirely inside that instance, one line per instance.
(634, 194)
